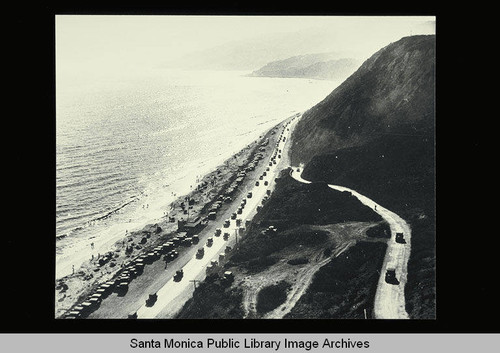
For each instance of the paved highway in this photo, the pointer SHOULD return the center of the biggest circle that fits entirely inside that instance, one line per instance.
(173, 295)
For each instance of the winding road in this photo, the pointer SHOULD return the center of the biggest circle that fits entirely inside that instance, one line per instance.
(389, 298)
(172, 295)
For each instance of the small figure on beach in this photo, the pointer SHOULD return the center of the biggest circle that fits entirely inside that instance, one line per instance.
(375, 207)
(92, 245)
(73, 266)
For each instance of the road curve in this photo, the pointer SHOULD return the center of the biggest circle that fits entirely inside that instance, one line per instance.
(389, 298)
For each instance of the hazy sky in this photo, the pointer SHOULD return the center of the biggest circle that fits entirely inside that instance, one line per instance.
(84, 42)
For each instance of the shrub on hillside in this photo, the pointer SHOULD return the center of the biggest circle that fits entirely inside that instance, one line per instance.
(270, 297)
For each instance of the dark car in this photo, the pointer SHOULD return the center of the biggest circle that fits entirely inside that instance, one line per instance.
(400, 239)
(390, 276)
(132, 315)
(151, 299)
(178, 275)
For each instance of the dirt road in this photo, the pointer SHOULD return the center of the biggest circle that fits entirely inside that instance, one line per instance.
(389, 298)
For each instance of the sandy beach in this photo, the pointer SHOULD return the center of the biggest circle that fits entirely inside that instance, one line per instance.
(102, 260)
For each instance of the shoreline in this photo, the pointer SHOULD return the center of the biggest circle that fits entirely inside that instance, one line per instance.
(121, 247)
(76, 249)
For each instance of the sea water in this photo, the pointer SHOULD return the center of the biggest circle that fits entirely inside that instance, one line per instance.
(128, 145)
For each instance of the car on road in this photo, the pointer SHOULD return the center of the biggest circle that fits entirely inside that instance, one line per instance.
(151, 299)
(104, 289)
(87, 308)
(200, 253)
(167, 246)
(132, 315)
(178, 275)
(210, 241)
(390, 276)
(72, 315)
(139, 268)
(122, 287)
(176, 241)
(228, 278)
(209, 269)
(97, 297)
(228, 275)
(171, 256)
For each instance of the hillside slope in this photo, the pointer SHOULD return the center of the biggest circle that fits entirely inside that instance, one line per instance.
(391, 93)
(375, 134)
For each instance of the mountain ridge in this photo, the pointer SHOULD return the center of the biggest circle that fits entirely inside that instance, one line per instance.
(328, 66)
(253, 53)
(391, 92)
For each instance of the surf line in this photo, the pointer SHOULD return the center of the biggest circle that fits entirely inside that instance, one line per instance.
(114, 211)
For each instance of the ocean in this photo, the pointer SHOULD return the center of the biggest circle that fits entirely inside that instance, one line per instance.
(127, 146)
